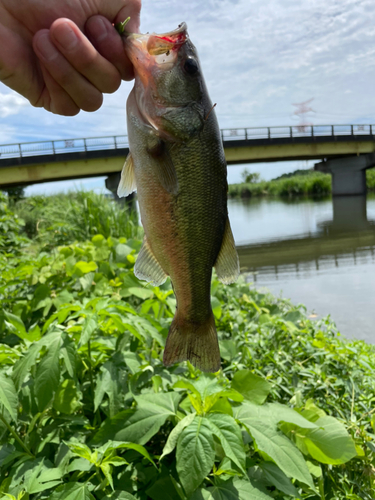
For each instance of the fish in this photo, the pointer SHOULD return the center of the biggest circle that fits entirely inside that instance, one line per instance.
(176, 163)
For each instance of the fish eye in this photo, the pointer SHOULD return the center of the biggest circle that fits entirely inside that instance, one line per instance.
(191, 66)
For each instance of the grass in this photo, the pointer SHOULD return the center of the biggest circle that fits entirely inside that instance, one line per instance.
(76, 216)
(307, 183)
(87, 407)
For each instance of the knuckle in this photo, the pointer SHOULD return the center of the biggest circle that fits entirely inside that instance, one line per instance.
(65, 77)
(87, 61)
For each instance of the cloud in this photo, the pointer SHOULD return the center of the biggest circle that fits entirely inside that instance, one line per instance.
(11, 104)
(258, 58)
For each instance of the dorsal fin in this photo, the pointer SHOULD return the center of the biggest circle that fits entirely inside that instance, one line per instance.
(127, 183)
(227, 264)
(147, 267)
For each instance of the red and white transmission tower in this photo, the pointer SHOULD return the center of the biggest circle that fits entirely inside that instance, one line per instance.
(302, 110)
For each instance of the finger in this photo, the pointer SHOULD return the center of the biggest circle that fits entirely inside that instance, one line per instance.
(82, 55)
(109, 43)
(85, 95)
(54, 98)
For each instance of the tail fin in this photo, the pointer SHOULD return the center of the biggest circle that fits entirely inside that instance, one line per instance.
(197, 343)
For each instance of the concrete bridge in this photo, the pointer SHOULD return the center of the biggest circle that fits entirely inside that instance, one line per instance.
(346, 150)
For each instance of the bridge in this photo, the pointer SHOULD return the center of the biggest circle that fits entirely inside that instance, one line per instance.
(37, 162)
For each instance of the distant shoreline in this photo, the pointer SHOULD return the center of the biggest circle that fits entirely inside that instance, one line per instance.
(298, 183)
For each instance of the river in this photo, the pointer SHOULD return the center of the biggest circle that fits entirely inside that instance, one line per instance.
(320, 253)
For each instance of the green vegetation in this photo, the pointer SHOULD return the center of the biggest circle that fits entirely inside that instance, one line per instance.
(299, 183)
(88, 411)
(250, 177)
(77, 216)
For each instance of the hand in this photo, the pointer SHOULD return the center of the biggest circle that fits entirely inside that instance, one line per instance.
(64, 54)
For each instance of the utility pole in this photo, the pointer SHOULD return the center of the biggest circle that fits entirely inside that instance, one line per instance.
(302, 110)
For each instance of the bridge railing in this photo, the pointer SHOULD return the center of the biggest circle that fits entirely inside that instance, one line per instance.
(63, 146)
(121, 141)
(255, 133)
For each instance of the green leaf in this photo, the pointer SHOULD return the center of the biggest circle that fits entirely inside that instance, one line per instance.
(122, 251)
(140, 292)
(98, 240)
(222, 406)
(227, 430)
(107, 471)
(110, 446)
(69, 353)
(82, 450)
(66, 397)
(216, 307)
(48, 375)
(328, 443)
(119, 495)
(234, 489)
(111, 381)
(228, 349)
(252, 387)
(23, 365)
(195, 454)
(161, 403)
(82, 268)
(88, 328)
(175, 433)
(261, 422)
(315, 470)
(8, 396)
(164, 489)
(72, 491)
(40, 478)
(277, 477)
(139, 426)
(18, 325)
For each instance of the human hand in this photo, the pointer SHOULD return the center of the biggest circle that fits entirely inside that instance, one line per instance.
(64, 54)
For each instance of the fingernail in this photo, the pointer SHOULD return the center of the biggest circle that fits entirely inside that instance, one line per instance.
(97, 29)
(46, 47)
(66, 36)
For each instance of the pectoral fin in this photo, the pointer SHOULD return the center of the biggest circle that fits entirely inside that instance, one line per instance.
(166, 170)
(227, 264)
(127, 183)
(147, 267)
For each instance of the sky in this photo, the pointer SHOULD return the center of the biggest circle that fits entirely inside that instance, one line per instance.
(258, 57)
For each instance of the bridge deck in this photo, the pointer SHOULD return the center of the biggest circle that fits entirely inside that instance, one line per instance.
(36, 162)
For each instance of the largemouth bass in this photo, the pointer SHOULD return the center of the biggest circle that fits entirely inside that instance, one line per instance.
(177, 165)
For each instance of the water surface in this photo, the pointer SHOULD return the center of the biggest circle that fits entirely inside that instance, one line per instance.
(317, 252)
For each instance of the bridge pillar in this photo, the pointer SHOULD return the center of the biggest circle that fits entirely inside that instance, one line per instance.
(111, 183)
(348, 174)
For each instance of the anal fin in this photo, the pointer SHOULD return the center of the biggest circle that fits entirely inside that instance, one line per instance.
(227, 264)
(127, 183)
(147, 267)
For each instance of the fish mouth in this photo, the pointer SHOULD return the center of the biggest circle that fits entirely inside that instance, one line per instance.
(155, 44)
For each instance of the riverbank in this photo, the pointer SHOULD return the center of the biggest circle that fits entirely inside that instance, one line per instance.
(303, 183)
(89, 410)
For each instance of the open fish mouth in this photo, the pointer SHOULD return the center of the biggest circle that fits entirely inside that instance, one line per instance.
(158, 44)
